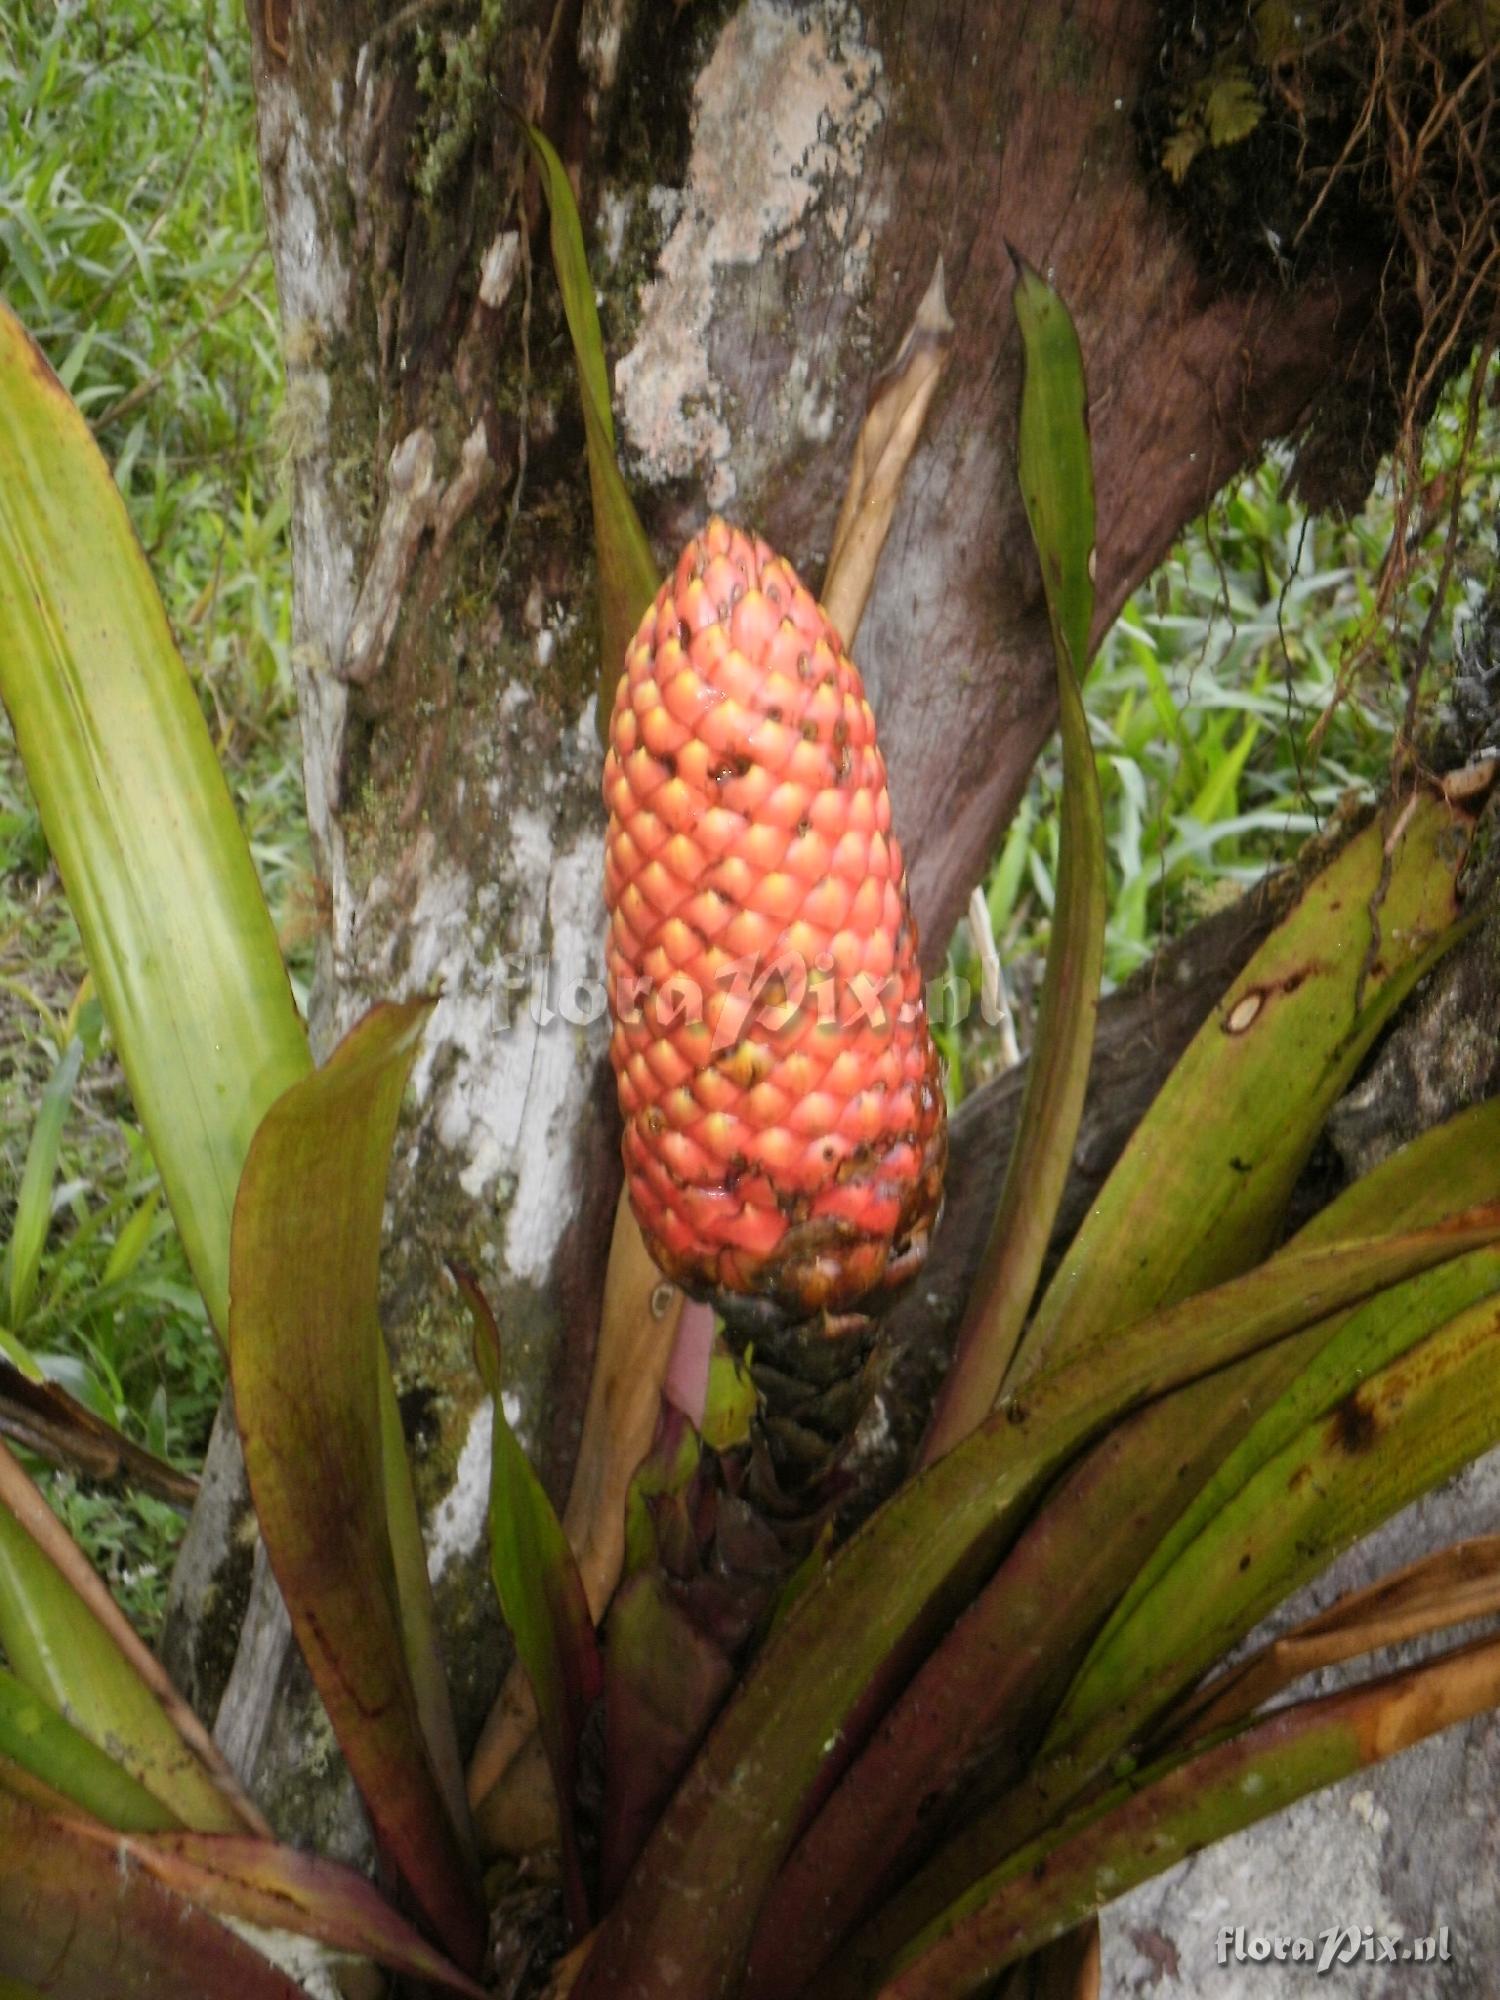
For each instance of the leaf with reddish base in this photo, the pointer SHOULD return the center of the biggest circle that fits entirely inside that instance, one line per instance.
(331, 1486)
(1169, 1811)
(79, 1922)
(542, 1598)
(257, 1882)
(247, 1879)
(1429, 1411)
(897, 1583)
(974, 1713)
(664, 1680)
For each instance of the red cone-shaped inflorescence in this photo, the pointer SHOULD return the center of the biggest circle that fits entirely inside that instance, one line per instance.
(784, 1121)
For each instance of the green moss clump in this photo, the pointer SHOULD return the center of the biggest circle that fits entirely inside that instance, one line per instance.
(456, 77)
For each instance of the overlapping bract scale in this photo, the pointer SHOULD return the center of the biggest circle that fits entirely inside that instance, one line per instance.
(784, 1117)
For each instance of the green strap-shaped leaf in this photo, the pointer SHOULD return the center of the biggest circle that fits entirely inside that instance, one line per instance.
(315, 1411)
(28, 1236)
(1169, 1812)
(1318, 1499)
(1401, 1429)
(1057, 474)
(136, 812)
(1202, 1186)
(542, 1600)
(36, 1737)
(628, 578)
(986, 1689)
(67, 1643)
(901, 1579)
(1057, 485)
(1446, 1169)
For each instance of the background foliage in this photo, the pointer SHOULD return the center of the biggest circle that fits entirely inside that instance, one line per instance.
(132, 243)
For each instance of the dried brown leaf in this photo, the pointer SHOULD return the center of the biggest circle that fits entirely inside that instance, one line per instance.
(1453, 1587)
(898, 407)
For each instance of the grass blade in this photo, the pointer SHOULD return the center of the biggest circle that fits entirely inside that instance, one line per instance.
(1058, 488)
(28, 1235)
(312, 1398)
(628, 577)
(542, 1599)
(136, 812)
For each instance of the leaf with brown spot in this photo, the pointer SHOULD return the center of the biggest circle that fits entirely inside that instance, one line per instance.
(889, 1592)
(1168, 1811)
(1426, 1412)
(989, 1688)
(1201, 1188)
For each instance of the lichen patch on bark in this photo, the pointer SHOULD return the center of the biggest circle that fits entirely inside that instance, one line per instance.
(785, 104)
(500, 1060)
(457, 1521)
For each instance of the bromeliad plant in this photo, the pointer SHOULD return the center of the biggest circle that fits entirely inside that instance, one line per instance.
(894, 1766)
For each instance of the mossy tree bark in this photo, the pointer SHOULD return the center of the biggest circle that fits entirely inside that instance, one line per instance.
(766, 186)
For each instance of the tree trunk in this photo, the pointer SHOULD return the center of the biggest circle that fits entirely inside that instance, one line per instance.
(766, 186)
